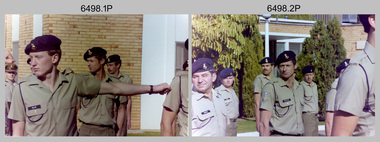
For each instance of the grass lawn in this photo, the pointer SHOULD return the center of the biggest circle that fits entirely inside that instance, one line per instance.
(145, 133)
(246, 125)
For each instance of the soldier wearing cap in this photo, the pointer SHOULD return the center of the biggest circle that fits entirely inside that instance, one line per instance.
(227, 77)
(354, 111)
(10, 75)
(176, 106)
(44, 104)
(209, 115)
(267, 66)
(310, 110)
(113, 67)
(281, 101)
(101, 115)
(330, 98)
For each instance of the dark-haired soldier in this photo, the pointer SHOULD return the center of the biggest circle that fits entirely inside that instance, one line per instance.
(310, 109)
(10, 75)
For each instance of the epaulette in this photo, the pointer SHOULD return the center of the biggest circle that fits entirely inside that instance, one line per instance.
(25, 78)
(86, 74)
(67, 71)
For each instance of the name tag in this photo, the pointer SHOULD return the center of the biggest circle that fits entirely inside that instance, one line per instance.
(205, 112)
(227, 99)
(286, 100)
(34, 107)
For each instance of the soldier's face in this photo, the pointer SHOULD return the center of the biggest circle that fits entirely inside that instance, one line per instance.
(202, 81)
(287, 69)
(10, 76)
(266, 68)
(112, 68)
(309, 77)
(228, 81)
(41, 63)
(94, 65)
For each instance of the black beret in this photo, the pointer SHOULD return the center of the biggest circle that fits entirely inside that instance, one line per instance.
(266, 60)
(201, 65)
(95, 51)
(226, 73)
(187, 44)
(11, 67)
(185, 65)
(43, 43)
(285, 56)
(113, 58)
(343, 65)
(28, 61)
(308, 69)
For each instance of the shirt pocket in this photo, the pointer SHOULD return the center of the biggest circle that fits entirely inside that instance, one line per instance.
(283, 105)
(228, 101)
(204, 118)
(35, 112)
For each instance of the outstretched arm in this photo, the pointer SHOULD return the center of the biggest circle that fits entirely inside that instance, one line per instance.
(126, 89)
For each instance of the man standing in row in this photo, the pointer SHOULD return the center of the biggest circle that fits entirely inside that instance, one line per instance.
(355, 99)
(281, 99)
(98, 113)
(310, 109)
(44, 104)
(10, 75)
(209, 115)
(113, 67)
(227, 77)
(267, 66)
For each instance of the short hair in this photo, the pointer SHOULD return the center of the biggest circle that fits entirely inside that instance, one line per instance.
(52, 52)
(364, 20)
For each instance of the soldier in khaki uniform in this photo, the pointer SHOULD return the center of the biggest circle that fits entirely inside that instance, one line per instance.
(355, 98)
(330, 98)
(281, 101)
(113, 67)
(44, 104)
(209, 116)
(10, 74)
(176, 106)
(267, 66)
(227, 77)
(101, 115)
(310, 109)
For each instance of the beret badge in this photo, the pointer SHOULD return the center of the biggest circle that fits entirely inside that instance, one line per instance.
(204, 66)
(33, 47)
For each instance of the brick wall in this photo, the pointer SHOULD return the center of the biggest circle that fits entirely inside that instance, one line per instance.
(8, 32)
(118, 34)
(280, 28)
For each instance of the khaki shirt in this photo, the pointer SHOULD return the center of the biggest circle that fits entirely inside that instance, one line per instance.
(311, 97)
(100, 109)
(172, 100)
(330, 96)
(50, 113)
(126, 79)
(231, 101)
(285, 105)
(8, 90)
(352, 91)
(259, 83)
(209, 117)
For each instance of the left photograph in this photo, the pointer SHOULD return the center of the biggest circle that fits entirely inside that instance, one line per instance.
(96, 75)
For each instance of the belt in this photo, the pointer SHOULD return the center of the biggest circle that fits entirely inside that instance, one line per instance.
(282, 134)
(233, 120)
(109, 126)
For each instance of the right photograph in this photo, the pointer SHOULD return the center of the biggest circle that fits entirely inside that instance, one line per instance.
(301, 75)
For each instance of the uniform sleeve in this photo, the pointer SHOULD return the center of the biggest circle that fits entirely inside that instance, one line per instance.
(17, 110)
(257, 85)
(87, 85)
(330, 100)
(267, 97)
(172, 98)
(351, 91)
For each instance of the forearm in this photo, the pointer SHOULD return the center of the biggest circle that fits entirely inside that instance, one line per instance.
(125, 89)
(18, 128)
(264, 121)
(167, 120)
(343, 124)
(120, 118)
(129, 108)
(328, 122)
(257, 108)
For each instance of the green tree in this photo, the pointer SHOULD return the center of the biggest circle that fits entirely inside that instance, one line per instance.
(324, 50)
(231, 41)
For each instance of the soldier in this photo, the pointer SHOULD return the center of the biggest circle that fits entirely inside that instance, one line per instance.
(267, 66)
(330, 98)
(10, 74)
(281, 99)
(209, 115)
(113, 67)
(44, 104)
(97, 113)
(355, 98)
(310, 110)
(176, 106)
(227, 77)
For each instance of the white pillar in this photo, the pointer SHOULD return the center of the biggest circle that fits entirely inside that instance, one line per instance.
(266, 16)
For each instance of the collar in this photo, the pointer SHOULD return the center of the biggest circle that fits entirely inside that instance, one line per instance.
(197, 95)
(369, 50)
(282, 83)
